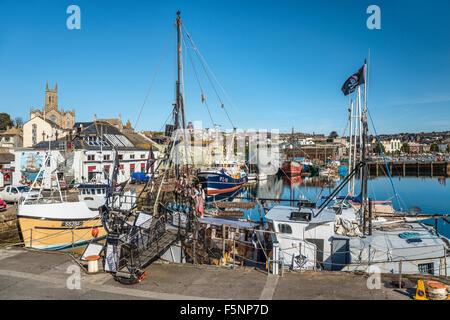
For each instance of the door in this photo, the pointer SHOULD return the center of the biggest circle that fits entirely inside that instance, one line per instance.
(340, 255)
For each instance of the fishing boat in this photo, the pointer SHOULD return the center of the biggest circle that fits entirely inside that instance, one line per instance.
(55, 224)
(218, 181)
(292, 168)
(338, 237)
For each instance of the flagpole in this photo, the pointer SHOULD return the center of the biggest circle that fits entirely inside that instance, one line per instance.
(350, 168)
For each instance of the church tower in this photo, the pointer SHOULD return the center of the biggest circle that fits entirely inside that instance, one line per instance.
(51, 98)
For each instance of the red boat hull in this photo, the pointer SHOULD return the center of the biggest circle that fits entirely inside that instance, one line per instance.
(292, 168)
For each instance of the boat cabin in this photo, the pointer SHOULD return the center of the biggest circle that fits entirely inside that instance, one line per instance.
(305, 236)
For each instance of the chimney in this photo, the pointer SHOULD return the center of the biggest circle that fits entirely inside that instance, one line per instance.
(95, 117)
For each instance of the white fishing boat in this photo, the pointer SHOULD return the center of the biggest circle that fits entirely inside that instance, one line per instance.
(313, 239)
(342, 237)
(51, 223)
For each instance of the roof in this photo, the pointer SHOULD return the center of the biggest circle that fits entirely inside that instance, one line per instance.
(6, 158)
(283, 213)
(12, 131)
(233, 223)
(48, 121)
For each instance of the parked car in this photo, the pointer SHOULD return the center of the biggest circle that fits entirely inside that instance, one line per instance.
(13, 193)
(2, 205)
(139, 177)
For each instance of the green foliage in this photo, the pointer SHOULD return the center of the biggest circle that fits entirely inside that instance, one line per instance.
(434, 147)
(377, 149)
(333, 134)
(405, 148)
(5, 121)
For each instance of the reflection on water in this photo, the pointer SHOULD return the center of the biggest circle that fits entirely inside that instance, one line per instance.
(429, 194)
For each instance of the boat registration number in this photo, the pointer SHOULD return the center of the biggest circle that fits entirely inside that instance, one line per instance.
(72, 223)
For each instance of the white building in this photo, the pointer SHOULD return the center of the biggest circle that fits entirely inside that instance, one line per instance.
(38, 129)
(91, 151)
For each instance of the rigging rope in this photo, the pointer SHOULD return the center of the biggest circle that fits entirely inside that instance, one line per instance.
(384, 158)
(203, 63)
(154, 77)
(198, 81)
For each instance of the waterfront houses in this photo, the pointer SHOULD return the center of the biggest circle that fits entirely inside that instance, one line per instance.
(87, 153)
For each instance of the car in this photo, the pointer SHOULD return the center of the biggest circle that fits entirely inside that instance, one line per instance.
(139, 177)
(16, 193)
(2, 205)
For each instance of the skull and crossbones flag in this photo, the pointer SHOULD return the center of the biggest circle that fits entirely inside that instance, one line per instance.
(354, 81)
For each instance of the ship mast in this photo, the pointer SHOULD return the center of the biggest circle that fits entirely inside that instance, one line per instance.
(179, 105)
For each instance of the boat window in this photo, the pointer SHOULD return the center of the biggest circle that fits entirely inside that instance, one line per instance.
(426, 268)
(99, 191)
(88, 191)
(284, 228)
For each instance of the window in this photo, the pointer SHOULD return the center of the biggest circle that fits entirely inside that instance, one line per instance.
(91, 157)
(426, 268)
(120, 156)
(34, 134)
(99, 191)
(131, 156)
(143, 156)
(284, 228)
(106, 157)
(53, 118)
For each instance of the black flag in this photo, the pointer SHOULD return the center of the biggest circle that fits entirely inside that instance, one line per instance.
(114, 175)
(354, 81)
(150, 160)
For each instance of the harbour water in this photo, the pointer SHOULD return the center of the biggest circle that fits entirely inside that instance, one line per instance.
(431, 195)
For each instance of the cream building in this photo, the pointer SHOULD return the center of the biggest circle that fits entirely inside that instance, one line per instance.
(39, 129)
(64, 119)
(391, 145)
(49, 124)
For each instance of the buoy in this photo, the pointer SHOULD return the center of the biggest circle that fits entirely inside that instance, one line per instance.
(92, 263)
(420, 292)
(94, 232)
(436, 290)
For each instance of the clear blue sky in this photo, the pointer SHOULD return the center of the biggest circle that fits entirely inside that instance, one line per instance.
(281, 62)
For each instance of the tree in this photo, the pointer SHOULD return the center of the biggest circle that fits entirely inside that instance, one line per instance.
(434, 147)
(5, 121)
(448, 148)
(377, 149)
(18, 122)
(405, 148)
(333, 134)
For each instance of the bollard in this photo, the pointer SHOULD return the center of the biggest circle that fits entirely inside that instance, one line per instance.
(92, 263)
(275, 259)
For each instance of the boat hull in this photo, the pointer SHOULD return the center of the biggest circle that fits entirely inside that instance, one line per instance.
(292, 168)
(217, 182)
(59, 226)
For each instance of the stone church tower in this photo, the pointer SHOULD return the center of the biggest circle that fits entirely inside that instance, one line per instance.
(50, 111)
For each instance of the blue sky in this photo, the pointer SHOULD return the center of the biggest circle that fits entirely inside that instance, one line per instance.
(282, 63)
